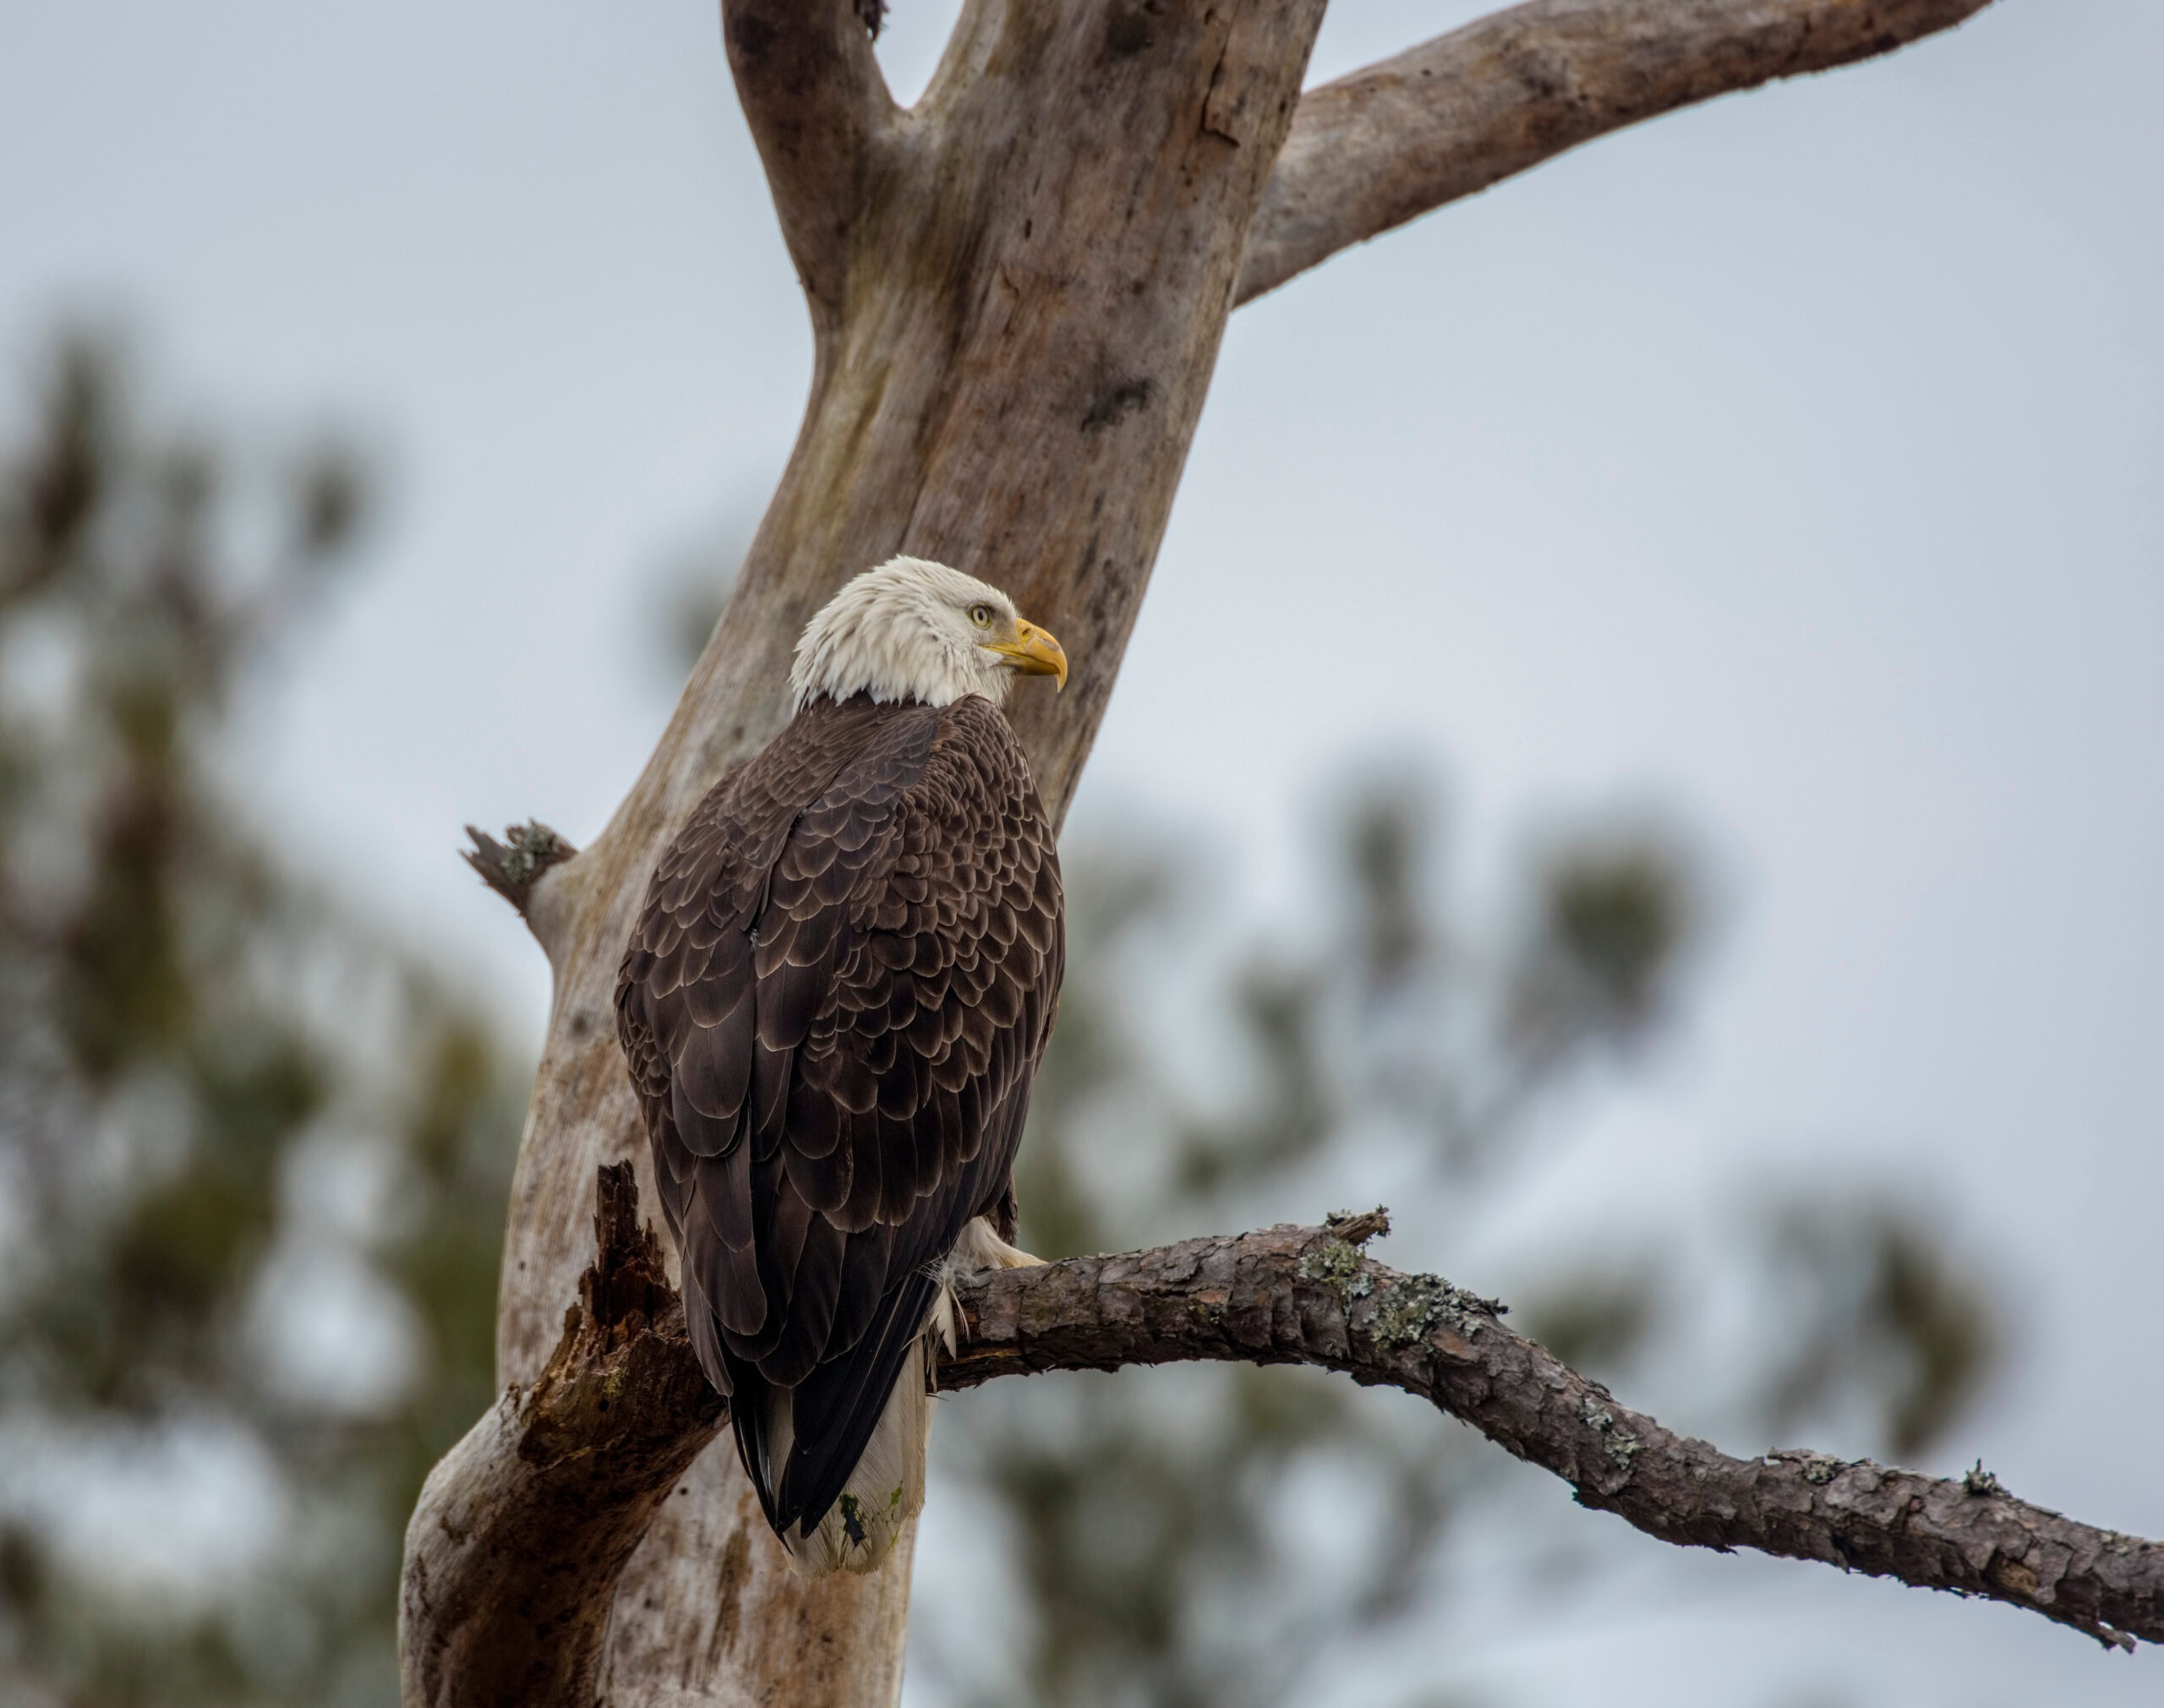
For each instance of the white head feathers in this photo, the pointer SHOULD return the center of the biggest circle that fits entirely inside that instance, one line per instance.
(915, 629)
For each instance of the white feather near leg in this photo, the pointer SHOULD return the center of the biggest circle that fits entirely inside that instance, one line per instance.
(887, 1488)
(885, 1491)
(979, 1248)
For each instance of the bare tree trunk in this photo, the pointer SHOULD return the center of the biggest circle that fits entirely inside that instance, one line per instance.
(1017, 291)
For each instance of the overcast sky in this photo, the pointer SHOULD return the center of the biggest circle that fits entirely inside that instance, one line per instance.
(1791, 463)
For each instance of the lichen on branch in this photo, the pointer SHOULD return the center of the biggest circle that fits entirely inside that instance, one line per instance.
(1311, 1295)
(512, 867)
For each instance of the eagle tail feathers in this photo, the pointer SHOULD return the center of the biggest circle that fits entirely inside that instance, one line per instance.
(884, 1489)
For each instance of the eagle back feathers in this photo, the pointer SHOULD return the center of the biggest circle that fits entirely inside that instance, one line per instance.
(838, 991)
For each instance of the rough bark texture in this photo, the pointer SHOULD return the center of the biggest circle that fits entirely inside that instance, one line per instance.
(1454, 115)
(1017, 291)
(554, 1485)
(1308, 1295)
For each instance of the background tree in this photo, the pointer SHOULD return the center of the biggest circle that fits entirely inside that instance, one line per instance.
(253, 1151)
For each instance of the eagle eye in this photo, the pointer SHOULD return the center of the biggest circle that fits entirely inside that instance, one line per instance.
(980, 615)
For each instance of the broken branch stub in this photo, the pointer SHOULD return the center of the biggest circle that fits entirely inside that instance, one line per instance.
(521, 1531)
(512, 866)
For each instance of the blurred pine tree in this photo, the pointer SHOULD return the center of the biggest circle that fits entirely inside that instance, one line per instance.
(253, 1154)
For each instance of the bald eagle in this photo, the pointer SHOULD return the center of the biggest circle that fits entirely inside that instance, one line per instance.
(838, 992)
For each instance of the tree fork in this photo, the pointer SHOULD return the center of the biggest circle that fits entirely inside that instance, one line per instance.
(1017, 291)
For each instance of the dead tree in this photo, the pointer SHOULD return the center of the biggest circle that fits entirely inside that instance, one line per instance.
(1017, 290)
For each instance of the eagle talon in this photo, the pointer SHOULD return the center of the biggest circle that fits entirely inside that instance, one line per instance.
(981, 1247)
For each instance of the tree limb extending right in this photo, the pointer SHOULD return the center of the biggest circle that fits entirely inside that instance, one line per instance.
(1453, 116)
(523, 1531)
(1309, 1295)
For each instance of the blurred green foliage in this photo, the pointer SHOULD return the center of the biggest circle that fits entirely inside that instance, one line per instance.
(1883, 1297)
(220, 1097)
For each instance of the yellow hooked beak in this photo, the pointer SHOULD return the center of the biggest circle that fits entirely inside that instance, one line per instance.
(1032, 652)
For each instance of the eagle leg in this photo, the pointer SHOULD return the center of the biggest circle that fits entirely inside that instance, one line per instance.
(981, 1247)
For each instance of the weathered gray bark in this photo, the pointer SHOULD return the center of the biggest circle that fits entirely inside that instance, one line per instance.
(1017, 290)
(1453, 116)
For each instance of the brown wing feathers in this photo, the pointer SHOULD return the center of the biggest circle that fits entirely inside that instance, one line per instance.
(832, 1005)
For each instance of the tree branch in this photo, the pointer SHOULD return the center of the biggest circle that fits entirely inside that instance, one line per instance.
(514, 1553)
(817, 103)
(1306, 1296)
(1467, 110)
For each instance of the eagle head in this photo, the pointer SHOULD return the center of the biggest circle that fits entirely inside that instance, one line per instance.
(914, 629)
